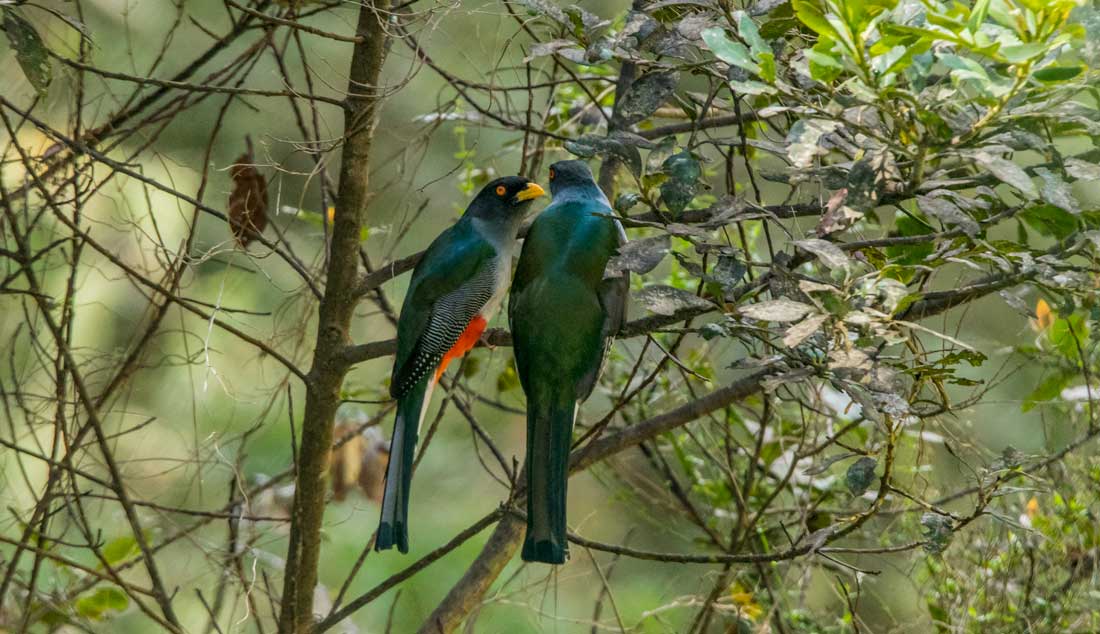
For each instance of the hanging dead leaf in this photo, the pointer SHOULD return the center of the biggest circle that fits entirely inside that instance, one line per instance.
(247, 201)
(372, 469)
(802, 331)
(347, 458)
(838, 216)
(780, 310)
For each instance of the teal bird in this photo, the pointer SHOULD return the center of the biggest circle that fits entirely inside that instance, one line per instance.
(455, 290)
(563, 313)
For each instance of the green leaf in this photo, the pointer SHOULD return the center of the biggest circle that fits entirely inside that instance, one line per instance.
(1021, 52)
(825, 66)
(646, 94)
(810, 15)
(966, 69)
(803, 140)
(860, 475)
(767, 66)
(937, 530)
(316, 219)
(728, 272)
(1007, 172)
(626, 200)
(730, 52)
(660, 153)
(620, 145)
(1056, 191)
(1052, 74)
(1050, 221)
(683, 172)
(507, 380)
(30, 51)
(96, 605)
(1082, 170)
(908, 254)
(948, 213)
(1049, 389)
(888, 60)
(751, 87)
(120, 549)
(977, 15)
(640, 256)
(1068, 334)
(746, 28)
(668, 300)
(471, 366)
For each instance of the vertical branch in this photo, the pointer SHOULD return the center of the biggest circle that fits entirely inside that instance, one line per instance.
(337, 305)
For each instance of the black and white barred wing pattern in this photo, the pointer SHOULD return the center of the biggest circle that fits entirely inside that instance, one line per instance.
(450, 316)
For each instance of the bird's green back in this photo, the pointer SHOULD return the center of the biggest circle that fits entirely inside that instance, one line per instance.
(556, 287)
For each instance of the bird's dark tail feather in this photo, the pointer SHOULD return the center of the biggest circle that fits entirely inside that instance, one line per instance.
(549, 435)
(393, 526)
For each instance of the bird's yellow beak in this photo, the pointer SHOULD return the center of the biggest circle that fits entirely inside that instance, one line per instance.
(530, 192)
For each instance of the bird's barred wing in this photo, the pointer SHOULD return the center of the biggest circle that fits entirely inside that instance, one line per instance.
(450, 286)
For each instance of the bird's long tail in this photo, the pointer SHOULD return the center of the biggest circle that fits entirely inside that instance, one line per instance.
(549, 435)
(393, 526)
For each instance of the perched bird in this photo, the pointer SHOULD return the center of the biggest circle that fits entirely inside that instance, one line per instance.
(455, 290)
(563, 313)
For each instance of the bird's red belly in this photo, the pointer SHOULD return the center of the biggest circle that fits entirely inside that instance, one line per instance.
(466, 341)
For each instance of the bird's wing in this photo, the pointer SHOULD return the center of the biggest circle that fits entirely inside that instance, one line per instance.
(449, 287)
(614, 292)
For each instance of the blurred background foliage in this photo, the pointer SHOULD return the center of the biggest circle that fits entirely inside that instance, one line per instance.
(887, 209)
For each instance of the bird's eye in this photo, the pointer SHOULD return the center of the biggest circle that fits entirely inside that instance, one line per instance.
(551, 173)
(500, 190)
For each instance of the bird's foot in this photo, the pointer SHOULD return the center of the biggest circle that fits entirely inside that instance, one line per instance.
(485, 339)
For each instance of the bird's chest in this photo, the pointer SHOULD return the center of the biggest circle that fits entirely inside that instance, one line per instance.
(498, 278)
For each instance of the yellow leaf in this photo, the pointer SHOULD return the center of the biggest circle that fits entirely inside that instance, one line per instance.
(1032, 506)
(747, 607)
(1044, 318)
(330, 213)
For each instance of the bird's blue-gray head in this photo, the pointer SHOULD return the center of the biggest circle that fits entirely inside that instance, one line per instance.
(505, 199)
(571, 175)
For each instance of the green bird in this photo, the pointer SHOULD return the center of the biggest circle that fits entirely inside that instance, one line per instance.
(563, 313)
(456, 289)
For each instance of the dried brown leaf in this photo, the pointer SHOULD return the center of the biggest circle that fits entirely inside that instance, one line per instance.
(372, 470)
(247, 201)
(802, 331)
(838, 216)
(345, 465)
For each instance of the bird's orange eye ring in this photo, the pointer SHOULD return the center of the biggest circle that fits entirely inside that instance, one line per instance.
(500, 190)
(551, 173)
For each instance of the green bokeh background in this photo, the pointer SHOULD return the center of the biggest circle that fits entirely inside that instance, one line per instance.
(186, 456)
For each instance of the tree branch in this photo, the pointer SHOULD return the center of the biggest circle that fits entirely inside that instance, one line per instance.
(326, 376)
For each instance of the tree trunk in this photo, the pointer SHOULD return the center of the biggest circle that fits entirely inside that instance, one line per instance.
(337, 305)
